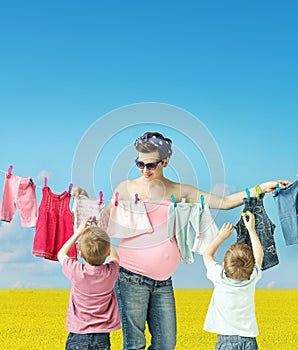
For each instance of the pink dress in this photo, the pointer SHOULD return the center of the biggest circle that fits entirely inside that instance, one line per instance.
(54, 225)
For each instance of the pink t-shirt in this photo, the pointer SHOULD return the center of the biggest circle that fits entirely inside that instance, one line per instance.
(92, 306)
(151, 254)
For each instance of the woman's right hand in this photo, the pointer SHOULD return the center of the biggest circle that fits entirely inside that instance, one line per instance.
(77, 192)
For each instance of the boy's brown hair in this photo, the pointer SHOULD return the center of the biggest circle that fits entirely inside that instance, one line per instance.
(94, 245)
(239, 262)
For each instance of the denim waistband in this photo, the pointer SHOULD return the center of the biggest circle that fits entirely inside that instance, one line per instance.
(233, 338)
(142, 278)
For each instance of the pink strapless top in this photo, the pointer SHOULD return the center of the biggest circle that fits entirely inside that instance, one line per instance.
(151, 254)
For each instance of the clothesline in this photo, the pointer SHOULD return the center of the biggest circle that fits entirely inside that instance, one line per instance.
(106, 200)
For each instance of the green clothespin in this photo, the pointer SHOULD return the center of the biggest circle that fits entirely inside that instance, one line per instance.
(244, 214)
(258, 192)
(190, 202)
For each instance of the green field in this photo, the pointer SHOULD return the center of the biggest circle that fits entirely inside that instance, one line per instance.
(35, 320)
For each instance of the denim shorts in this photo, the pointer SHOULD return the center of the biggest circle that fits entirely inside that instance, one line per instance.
(287, 206)
(236, 342)
(89, 341)
(264, 228)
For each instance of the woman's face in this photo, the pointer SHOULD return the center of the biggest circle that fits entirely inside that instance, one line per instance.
(153, 157)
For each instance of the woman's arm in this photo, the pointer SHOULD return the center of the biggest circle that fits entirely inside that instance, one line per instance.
(234, 200)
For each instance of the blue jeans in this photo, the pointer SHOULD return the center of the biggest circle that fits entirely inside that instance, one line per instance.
(236, 342)
(264, 228)
(90, 341)
(142, 299)
(287, 206)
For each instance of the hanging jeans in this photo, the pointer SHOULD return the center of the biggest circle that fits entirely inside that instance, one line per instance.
(264, 228)
(287, 206)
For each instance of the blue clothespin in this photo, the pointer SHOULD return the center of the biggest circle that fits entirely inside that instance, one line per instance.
(173, 200)
(202, 201)
(278, 188)
(247, 193)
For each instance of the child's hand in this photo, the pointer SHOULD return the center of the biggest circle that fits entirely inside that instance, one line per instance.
(226, 230)
(249, 220)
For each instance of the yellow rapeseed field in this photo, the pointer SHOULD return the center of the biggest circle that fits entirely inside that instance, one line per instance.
(35, 320)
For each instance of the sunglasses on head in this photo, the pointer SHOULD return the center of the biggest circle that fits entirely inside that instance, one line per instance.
(149, 166)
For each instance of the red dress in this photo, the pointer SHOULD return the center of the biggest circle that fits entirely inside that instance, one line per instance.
(54, 225)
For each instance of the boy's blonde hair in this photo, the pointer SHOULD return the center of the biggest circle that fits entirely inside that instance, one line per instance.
(94, 245)
(239, 262)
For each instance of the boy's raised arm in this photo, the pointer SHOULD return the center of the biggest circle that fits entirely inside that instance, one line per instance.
(225, 232)
(255, 242)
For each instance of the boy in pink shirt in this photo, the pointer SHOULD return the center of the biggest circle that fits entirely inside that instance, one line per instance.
(92, 309)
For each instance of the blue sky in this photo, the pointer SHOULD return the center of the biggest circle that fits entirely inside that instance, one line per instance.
(71, 67)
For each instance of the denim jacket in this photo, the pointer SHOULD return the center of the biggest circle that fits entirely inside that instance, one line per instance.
(264, 228)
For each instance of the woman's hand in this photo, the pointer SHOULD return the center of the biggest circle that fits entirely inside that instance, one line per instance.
(77, 192)
(270, 186)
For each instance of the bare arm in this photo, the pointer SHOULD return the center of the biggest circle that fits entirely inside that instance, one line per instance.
(225, 232)
(234, 200)
(114, 255)
(65, 249)
(255, 242)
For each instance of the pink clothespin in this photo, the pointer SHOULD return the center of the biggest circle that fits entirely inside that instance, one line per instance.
(116, 199)
(69, 190)
(93, 220)
(100, 198)
(45, 181)
(9, 171)
(136, 198)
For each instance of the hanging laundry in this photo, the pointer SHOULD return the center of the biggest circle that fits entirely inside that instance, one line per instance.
(19, 193)
(264, 228)
(208, 230)
(287, 205)
(128, 219)
(84, 207)
(184, 223)
(54, 225)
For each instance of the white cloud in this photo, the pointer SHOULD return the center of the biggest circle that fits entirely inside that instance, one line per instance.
(223, 189)
(42, 174)
(271, 284)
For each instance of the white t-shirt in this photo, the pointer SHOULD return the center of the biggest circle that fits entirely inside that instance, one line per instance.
(232, 308)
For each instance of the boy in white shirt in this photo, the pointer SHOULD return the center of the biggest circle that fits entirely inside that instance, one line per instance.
(231, 312)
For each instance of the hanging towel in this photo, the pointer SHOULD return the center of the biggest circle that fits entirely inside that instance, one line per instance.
(19, 193)
(54, 225)
(128, 219)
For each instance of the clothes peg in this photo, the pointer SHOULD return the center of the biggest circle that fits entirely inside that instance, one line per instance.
(9, 171)
(116, 199)
(69, 190)
(190, 202)
(136, 198)
(45, 181)
(258, 192)
(173, 200)
(31, 183)
(202, 201)
(100, 198)
(93, 220)
(247, 194)
(278, 188)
